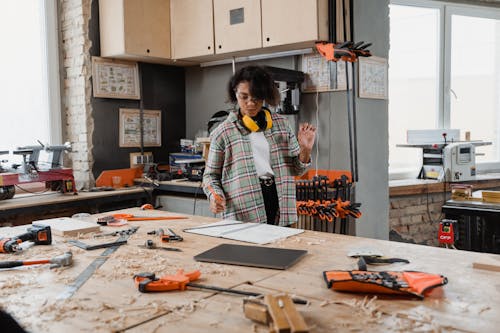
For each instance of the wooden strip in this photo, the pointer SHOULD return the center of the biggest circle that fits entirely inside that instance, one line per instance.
(280, 323)
(256, 311)
(297, 323)
(417, 186)
(486, 267)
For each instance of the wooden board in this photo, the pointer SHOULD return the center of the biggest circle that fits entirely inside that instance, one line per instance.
(67, 226)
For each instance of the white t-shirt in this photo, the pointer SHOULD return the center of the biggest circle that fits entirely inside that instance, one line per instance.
(261, 155)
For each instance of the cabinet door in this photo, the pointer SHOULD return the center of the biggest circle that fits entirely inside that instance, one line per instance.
(147, 27)
(237, 25)
(293, 21)
(192, 28)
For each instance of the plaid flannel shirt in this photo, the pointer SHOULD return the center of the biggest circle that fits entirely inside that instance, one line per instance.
(230, 170)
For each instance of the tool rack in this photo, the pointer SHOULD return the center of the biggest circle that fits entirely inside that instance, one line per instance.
(323, 201)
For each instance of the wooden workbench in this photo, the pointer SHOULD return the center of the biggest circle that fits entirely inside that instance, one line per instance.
(24, 208)
(109, 300)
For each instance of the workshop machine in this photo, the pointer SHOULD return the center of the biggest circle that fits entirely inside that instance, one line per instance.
(288, 82)
(31, 170)
(443, 157)
(459, 162)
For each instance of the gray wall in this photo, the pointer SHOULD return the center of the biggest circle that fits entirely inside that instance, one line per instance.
(205, 94)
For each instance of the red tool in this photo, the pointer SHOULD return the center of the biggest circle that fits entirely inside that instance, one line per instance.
(446, 233)
(65, 259)
(40, 235)
(148, 282)
(130, 217)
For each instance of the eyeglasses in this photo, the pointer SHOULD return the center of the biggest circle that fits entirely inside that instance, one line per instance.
(245, 98)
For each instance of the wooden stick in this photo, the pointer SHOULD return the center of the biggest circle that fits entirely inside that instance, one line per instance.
(486, 267)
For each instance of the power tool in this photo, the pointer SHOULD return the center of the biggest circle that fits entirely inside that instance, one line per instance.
(40, 235)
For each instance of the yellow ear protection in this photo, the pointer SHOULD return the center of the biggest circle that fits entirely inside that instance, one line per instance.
(261, 122)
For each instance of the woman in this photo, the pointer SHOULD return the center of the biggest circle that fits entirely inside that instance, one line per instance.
(254, 156)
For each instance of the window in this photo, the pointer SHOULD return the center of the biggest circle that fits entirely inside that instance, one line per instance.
(444, 72)
(29, 87)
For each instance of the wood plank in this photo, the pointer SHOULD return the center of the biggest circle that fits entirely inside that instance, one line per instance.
(297, 323)
(493, 268)
(67, 226)
(279, 321)
(423, 186)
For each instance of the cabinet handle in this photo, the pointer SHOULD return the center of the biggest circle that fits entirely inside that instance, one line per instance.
(267, 39)
(220, 46)
(147, 50)
(209, 47)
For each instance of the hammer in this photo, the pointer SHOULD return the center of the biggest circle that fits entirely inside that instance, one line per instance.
(65, 259)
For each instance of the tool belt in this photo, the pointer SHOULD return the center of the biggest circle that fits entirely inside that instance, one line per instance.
(405, 283)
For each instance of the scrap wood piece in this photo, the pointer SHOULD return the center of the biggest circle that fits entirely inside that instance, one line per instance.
(277, 311)
(486, 267)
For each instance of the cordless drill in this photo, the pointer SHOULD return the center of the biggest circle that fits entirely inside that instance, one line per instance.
(40, 235)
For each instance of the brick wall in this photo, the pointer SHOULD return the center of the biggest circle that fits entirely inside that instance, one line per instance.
(415, 218)
(74, 16)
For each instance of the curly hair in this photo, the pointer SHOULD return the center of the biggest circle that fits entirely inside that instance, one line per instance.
(261, 84)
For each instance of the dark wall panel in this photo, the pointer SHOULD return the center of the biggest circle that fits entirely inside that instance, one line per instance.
(163, 88)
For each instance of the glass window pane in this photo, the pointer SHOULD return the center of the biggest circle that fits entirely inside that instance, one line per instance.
(413, 80)
(23, 88)
(475, 81)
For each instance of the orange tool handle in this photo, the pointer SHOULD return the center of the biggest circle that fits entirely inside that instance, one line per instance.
(17, 263)
(36, 262)
(217, 197)
(147, 282)
(130, 217)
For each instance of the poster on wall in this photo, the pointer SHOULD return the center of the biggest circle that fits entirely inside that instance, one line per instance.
(115, 79)
(322, 75)
(130, 128)
(373, 82)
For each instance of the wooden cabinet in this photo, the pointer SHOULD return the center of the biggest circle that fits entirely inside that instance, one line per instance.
(192, 28)
(135, 29)
(237, 25)
(203, 30)
(287, 22)
(213, 29)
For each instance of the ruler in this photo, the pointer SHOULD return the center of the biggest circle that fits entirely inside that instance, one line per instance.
(87, 273)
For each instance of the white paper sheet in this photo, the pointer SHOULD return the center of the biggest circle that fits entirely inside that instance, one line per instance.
(257, 233)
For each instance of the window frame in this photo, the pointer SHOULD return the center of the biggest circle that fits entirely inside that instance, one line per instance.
(446, 10)
(50, 36)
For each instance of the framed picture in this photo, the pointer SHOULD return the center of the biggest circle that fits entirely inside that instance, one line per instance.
(322, 75)
(373, 78)
(115, 79)
(130, 128)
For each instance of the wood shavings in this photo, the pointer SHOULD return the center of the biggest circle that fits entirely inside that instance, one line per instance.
(419, 321)
(215, 269)
(158, 326)
(324, 303)
(228, 307)
(485, 308)
(309, 240)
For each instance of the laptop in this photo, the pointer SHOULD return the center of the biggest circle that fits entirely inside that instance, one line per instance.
(254, 256)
